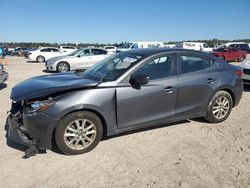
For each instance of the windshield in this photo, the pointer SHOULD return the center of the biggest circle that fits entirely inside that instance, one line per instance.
(75, 52)
(125, 45)
(111, 68)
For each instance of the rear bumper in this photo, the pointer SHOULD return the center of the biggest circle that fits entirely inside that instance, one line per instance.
(35, 130)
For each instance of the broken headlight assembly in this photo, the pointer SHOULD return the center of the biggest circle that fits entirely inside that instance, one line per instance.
(40, 105)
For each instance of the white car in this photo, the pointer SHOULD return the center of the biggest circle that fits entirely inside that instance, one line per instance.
(199, 46)
(111, 49)
(245, 65)
(68, 49)
(43, 54)
(136, 45)
(79, 59)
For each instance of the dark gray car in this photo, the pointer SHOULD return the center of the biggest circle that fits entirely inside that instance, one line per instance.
(127, 91)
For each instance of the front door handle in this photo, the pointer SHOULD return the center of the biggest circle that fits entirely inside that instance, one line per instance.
(169, 89)
(210, 80)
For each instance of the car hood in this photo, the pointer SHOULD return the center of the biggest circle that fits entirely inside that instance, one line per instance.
(43, 86)
(57, 58)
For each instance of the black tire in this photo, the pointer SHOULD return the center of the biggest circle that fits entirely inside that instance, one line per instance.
(242, 58)
(63, 126)
(40, 59)
(62, 67)
(222, 57)
(213, 106)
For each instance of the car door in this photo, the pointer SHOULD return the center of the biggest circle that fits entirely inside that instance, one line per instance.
(235, 54)
(46, 53)
(98, 55)
(83, 60)
(195, 81)
(153, 102)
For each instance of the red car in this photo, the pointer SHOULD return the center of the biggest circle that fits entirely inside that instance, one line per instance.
(230, 54)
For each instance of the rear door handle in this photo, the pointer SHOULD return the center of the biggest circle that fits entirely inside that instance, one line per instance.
(210, 80)
(169, 89)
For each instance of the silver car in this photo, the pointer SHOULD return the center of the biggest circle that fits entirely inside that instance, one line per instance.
(245, 65)
(79, 59)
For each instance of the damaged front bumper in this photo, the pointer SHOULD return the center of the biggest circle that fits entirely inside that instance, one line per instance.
(31, 129)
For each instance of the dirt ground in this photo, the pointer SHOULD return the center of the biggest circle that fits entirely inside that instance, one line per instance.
(185, 154)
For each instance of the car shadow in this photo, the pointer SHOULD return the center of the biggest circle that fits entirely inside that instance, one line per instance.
(145, 129)
(48, 71)
(31, 61)
(246, 88)
(3, 85)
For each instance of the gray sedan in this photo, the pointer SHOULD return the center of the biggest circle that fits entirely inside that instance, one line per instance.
(127, 91)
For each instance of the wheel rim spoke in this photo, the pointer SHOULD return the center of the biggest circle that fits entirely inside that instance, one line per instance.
(70, 135)
(79, 134)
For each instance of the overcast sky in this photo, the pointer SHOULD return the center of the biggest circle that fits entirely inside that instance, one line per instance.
(104, 21)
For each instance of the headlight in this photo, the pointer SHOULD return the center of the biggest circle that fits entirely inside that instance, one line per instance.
(39, 106)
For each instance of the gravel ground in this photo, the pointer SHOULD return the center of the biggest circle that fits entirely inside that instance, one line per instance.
(185, 154)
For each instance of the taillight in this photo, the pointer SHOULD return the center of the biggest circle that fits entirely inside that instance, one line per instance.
(239, 72)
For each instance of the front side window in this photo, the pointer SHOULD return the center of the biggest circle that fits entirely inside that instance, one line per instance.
(98, 52)
(85, 52)
(54, 50)
(157, 68)
(190, 63)
(205, 46)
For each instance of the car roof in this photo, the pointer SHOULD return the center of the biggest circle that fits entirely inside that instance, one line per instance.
(152, 51)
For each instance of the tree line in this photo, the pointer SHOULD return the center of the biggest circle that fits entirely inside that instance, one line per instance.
(211, 42)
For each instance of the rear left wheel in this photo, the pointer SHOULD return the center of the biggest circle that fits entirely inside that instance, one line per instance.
(220, 107)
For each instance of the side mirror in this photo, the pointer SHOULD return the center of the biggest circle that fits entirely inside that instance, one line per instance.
(138, 80)
(78, 55)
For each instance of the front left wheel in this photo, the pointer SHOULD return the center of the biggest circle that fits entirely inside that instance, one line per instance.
(40, 59)
(78, 132)
(62, 67)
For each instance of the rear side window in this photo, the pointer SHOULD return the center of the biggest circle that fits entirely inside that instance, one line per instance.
(46, 50)
(157, 68)
(98, 51)
(190, 63)
(54, 50)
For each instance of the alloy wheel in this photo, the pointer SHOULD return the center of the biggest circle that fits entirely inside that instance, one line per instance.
(221, 107)
(63, 67)
(79, 134)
